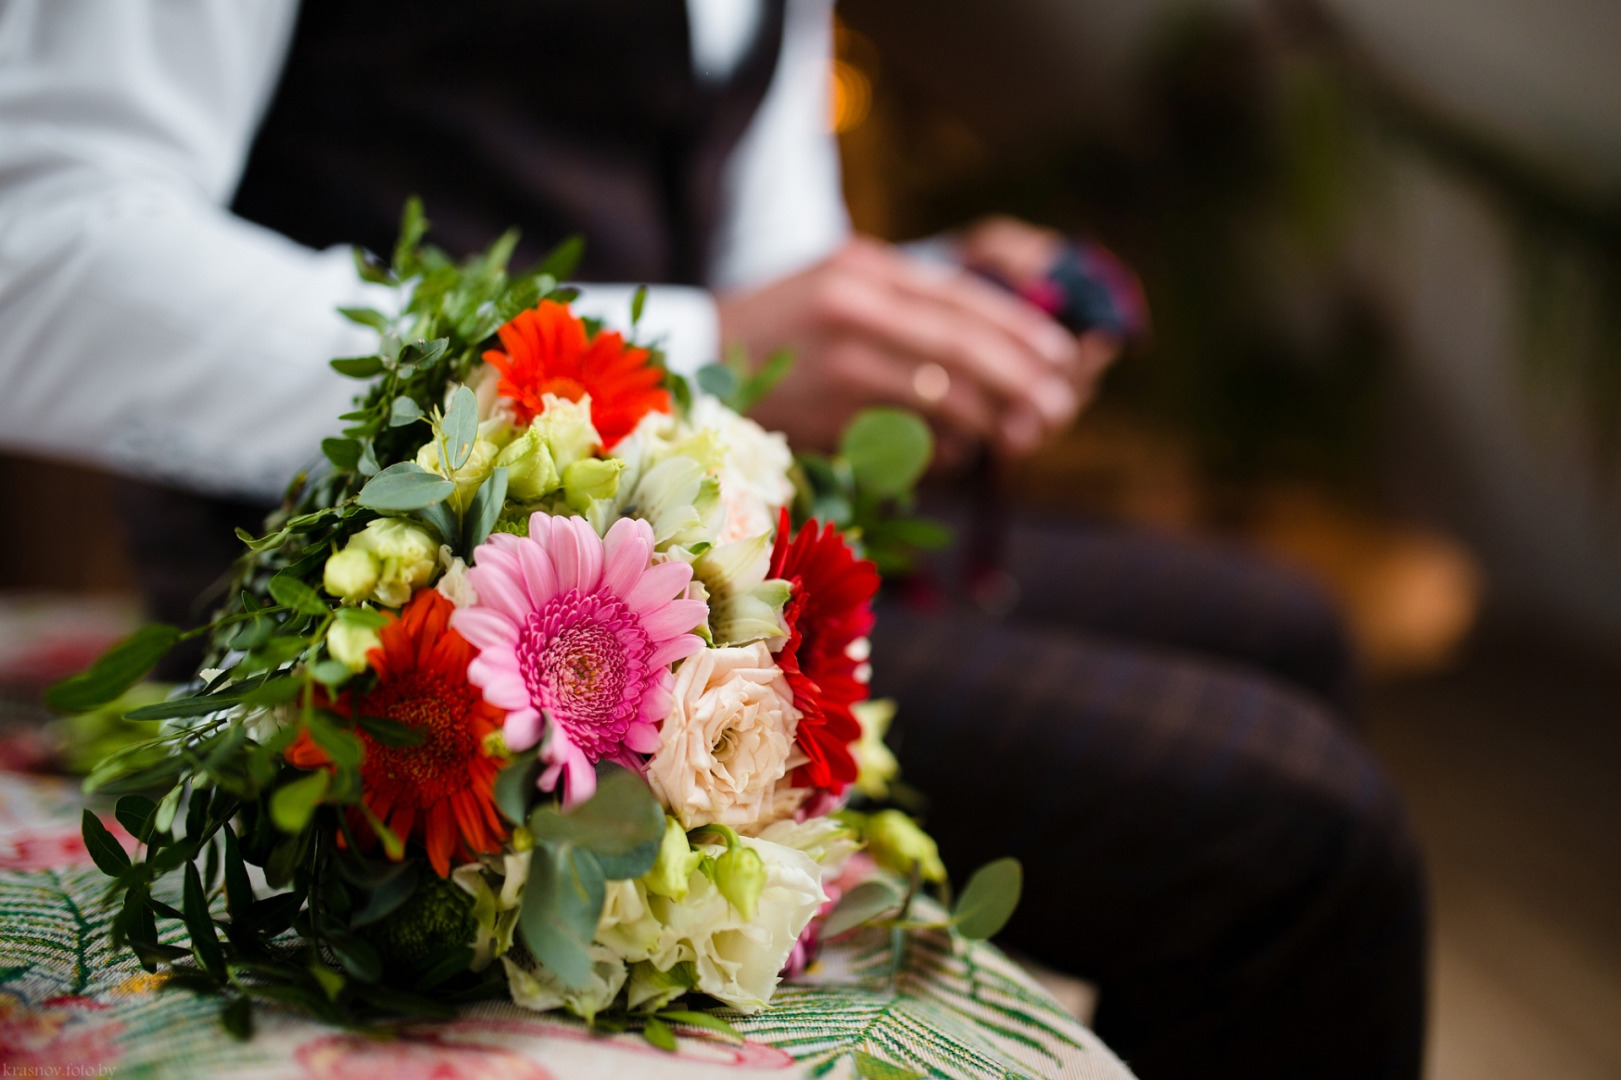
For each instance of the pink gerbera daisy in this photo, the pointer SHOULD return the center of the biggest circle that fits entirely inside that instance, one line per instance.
(576, 635)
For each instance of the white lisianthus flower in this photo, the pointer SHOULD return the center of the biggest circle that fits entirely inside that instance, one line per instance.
(728, 739)
(754, 482)
(453, 583)
(627, 925)
(827, 840)
(738, 960)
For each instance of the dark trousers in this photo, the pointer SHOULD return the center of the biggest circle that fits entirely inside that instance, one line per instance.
(1158, 731)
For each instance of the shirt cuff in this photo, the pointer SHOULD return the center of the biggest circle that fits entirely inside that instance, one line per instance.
(679, 319)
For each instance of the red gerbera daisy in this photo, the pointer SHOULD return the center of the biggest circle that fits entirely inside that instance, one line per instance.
(439, 791)
(549, 352)
(830, 609)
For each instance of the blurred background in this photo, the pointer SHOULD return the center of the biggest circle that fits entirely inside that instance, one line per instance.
(1381, 242)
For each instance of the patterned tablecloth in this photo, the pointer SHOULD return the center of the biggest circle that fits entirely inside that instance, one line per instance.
(70, 1006)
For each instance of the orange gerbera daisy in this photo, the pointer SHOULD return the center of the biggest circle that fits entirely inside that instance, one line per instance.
(441, 790)
(549, 352)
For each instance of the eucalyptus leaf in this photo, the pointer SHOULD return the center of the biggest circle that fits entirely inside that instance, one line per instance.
(622, 816)
(343, 453)
(561, 905)
(403, 411)
(118, 669)
(515, 787)
(404, 486)
(358, 367)
(887, 450)
(988, 900)
(560, 262)
(861, 904)
(461, 426)
(391, 732)
(387, 897)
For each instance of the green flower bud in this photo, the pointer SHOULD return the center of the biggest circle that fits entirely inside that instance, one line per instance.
(349, 644)
(407, 556)
(897, 844)
(590, 479)
(531, 473)
(675, 864)
(474, 471)
(350, 575)
(740, 877)
(565, 427)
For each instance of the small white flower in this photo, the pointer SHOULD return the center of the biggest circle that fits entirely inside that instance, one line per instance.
(754, 482)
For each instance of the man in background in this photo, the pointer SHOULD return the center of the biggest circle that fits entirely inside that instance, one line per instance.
(1158, 731)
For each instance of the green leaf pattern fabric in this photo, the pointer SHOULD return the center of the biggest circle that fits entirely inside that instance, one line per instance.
(68, 998)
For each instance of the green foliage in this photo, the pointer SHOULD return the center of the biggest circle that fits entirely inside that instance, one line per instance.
(738, 385)
(562, 902)
(120, 668)
(989, 899)
(887, 451)
(434, 918)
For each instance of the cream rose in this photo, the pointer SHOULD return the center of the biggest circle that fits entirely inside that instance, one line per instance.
(728, 741)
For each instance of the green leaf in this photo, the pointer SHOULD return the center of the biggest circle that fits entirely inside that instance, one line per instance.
(762, 382)
(404, 486)
(343, 453)
(236, 1017)
(413, 227)
(118, 669)
(485, 510)
(453, 962)
(358, 367)
(205, 942)
(274, 692)
(861, 904)
(163, 819)
(658, 1033)
(561, 905)
(386, 898)
(515, 787)
(707, 1021)
(107, 853)
(366, 317)
(357, 955)
(460, 426)
(562, 259)
(988, 900)
(330, 672)
(135, 813)
(637, 303)
(403, 411)
(292, 804)
(717, 380)
(887, 450)
(391, 732)
(339, 743)
(621, 817)
(239, 898)
(293, 593)
(365, 618)
(331, 982)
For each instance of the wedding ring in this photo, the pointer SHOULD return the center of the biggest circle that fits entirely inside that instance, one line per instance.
(931, 383)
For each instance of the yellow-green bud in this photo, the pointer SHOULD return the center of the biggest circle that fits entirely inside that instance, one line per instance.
(474, 471)
(349, 644)
(565, 426)
(350, 575)
(407, 556)
(531, 474)
(675, 864)
(897, 844)
(740, 877)
(590, 479)
(875, 763)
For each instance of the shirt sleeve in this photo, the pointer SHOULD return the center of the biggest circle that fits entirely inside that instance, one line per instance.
(784, 206)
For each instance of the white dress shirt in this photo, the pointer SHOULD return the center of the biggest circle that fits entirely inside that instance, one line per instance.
(145, 328)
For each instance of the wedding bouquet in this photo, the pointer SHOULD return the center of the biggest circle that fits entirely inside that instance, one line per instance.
(551, 680)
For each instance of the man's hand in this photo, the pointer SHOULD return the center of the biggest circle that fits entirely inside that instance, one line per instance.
(869, 325)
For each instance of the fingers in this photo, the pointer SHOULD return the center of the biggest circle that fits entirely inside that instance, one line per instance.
(953, 323)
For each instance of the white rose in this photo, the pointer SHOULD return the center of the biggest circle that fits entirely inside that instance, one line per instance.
(753, 476)
(737, 960)
(727, 741)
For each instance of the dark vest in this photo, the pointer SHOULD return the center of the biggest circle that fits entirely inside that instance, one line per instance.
(557, 116)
